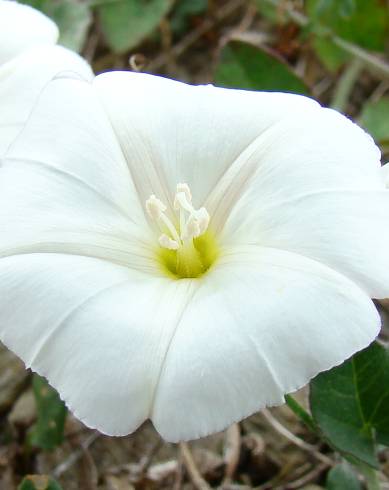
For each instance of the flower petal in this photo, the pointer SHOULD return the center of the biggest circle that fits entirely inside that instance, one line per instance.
(172, 132)
(99, 332)
(79, 143)
(385, 174)
(45, 211)
(319, 150)
(312, 186)
(23, 79)
(65, 186)
(262, 324)
(346, 230)
(22, 27)
(89, 327)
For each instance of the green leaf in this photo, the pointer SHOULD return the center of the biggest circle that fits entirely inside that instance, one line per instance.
(342, 477)
(72, 17)
(126, 23)
(48, 431)
(39, 482)
(244, 66)
(350, 404)
(362, 22)
(329, 54)
(375, 119)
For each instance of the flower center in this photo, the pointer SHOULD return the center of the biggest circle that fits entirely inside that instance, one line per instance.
(186, 249)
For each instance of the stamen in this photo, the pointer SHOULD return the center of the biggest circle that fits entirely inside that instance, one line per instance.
(156, 210)
(180, 253)
(155, 207)
(169, 225)
(202, 218)
(192, 229)
(185, 189)
(167, 242)
(181, 201)
(192, 222)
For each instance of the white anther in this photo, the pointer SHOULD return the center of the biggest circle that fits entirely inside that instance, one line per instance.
(182, 187)
(167, 242)
(192, 222)
(181, 202)
(202, 218)
(155, 207)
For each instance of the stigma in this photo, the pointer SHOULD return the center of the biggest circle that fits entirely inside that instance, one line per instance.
(187, 248)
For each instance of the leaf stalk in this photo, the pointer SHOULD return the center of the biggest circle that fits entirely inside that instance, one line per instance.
(301, 413)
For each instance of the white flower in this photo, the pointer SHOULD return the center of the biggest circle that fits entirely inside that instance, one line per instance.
(29, 59)
(187, 254)
(385, 174)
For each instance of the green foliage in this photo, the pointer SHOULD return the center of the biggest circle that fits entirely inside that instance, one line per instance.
(350, 404)
(242, 65)
(330, 55)
(48, 431)
(126, 23)
(184, 10)
(362, 22)
(341, 8)
(342, 477)
(375, 119)
(72, 17)
(39, 482)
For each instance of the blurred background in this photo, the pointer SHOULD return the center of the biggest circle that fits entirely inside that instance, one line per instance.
(335, 51)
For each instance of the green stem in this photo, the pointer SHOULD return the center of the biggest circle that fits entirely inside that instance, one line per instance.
(346, 84)
(301, 413)
(372, 481)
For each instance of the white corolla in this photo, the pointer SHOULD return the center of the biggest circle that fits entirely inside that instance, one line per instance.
(187, 254)
(29, 59)
(385, 174)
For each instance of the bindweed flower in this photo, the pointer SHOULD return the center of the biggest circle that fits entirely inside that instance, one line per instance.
(29, 59)
(187, 254)
(385, 174)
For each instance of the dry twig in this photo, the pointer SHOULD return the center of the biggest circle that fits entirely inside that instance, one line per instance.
(231, 452)
(179, 473)
(375, 63)
(193, 36)
(307, 478)
(198, 481)
(148, 458)
(281, 429)
(75, 456)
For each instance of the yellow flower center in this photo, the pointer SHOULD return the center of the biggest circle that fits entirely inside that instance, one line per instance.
(188, 249)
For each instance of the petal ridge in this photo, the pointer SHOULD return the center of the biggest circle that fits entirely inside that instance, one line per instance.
(269, 157)
(341, 228)
(213, 357)
(45, 341)
(156, 176)
(192, 284)
(237, 176)
(71, 176)
(181, 132)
